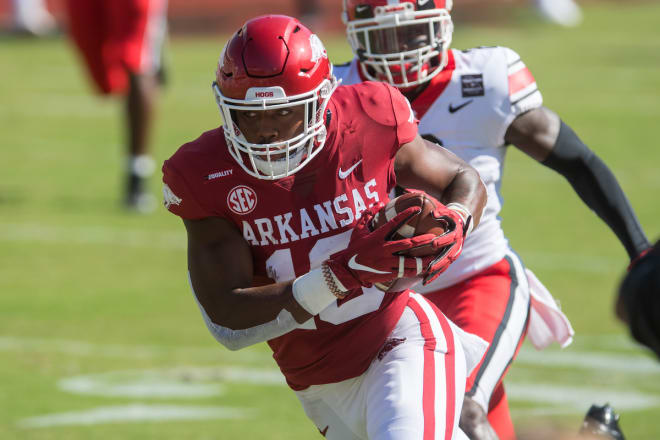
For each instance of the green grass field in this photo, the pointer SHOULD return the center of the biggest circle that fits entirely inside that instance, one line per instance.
(100, 337)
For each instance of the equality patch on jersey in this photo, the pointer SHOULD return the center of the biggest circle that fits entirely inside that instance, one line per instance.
(218, 174)
(169, 198)
(472, 85)
(242, 200)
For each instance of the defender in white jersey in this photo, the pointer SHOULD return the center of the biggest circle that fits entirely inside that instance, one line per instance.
(475, 103)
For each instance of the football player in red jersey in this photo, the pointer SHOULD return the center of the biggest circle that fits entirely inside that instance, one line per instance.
(121, 43)
(276, 204)
(475, 103)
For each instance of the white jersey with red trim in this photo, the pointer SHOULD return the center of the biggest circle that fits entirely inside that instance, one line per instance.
(467, 108)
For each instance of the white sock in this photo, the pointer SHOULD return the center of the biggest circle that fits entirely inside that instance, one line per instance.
(142, 165)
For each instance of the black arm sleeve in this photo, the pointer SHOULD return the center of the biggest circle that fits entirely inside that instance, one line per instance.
(597, 187)
(640, 290)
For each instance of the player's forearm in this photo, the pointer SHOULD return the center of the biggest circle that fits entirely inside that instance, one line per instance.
(248, 307)
(468, 190)
(259, 314)
(241, 308)
(593, 181)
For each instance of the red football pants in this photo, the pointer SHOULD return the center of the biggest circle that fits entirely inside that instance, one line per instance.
(493, 304)
(116, 37)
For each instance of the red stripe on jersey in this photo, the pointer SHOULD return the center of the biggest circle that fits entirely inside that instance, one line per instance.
(520, 80)
(428, 399)
(438, 84)
(428, 392)
(450, 373)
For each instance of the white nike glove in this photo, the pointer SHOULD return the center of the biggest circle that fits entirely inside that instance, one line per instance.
(371, 258)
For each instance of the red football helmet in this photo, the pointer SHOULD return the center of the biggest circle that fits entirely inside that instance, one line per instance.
(274, 62)
(401, 42)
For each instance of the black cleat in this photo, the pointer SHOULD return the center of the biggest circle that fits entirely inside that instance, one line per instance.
(602, 422)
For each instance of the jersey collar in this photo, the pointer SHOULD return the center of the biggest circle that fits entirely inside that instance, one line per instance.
(422, 102)
(438, 84)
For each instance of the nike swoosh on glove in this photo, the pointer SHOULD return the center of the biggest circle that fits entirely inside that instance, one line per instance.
(450, 244)
(371, 258)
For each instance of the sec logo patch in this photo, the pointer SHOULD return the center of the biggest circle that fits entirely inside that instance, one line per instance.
(242, 199)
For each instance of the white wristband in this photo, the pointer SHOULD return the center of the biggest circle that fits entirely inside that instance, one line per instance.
(465, 214)
(312, 292)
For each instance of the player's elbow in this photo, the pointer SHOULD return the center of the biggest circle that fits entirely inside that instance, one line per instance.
(230, 339)
(232, 344)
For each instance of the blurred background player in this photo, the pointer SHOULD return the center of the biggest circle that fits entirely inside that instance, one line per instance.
(475, 103)
(285, 253)
(32, 17)
(309, 12)
(563, 12)
(121, 43)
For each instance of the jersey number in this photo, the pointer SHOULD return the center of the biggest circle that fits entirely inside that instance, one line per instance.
(280, 263)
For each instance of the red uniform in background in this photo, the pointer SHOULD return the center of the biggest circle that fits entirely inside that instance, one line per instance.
(118, 36)
(121, 42)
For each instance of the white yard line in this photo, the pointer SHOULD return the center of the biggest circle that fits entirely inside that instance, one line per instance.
(89, 349)
(190, 382)
(592, 361)
(572, 399)
(179, 382)
(135, 413)
(569, 357)
(138, 386)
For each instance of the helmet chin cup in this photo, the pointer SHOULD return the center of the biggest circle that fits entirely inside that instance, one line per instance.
(276, 167)
(411, 73)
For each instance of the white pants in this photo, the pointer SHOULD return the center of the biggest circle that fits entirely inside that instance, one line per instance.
(413, 389)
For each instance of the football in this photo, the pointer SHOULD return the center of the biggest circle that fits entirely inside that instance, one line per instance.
(422, 223)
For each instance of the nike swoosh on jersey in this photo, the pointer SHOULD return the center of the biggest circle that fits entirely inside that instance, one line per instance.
(453, 109)
(345, 174)
(353, 264)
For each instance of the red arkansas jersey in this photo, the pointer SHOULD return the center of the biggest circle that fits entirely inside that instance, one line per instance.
(295, 223)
